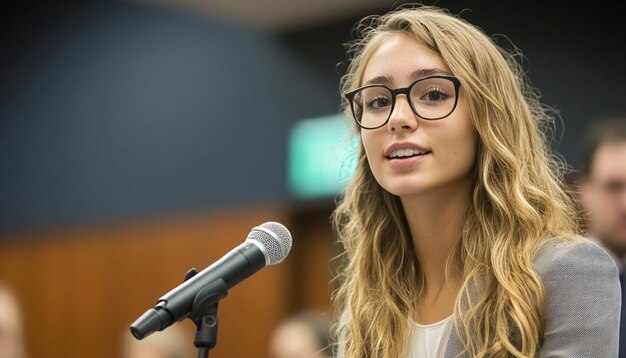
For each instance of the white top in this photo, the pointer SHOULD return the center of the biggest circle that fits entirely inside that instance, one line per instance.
(430, 340)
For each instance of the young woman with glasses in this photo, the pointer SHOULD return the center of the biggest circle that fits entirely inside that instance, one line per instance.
(460, 240)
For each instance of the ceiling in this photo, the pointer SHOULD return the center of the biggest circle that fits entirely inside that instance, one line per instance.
(278, 15)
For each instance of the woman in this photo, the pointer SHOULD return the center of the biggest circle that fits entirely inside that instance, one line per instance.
(460, 239)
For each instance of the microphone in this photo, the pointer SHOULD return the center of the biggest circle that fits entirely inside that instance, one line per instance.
(266, 244)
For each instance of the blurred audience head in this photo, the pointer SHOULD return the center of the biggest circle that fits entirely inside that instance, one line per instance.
(301, 336)
(11, 331)
(174, 342)
(602, 185)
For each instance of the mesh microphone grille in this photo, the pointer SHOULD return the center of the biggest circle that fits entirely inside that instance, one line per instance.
(278, 245)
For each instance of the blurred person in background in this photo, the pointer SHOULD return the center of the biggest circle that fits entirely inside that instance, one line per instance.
(602, 194)
(175, 342)
(301, 336)
(12, 344)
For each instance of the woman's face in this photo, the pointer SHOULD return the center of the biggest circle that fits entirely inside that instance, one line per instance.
(449, 143)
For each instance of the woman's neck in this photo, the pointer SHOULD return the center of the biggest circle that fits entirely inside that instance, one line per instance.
(436, 221)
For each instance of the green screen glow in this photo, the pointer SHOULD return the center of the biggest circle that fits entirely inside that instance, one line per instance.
(322, 156)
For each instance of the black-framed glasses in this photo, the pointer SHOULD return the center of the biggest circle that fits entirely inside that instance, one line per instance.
(430, 98)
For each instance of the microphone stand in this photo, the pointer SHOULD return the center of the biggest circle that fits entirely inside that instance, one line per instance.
(204, 314)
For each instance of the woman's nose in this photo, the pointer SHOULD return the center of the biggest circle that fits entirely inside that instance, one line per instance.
(402, 116)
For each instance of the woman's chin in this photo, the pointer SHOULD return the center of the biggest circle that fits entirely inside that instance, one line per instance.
(407, 189)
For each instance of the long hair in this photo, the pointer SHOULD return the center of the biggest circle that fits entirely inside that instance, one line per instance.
(517, 204)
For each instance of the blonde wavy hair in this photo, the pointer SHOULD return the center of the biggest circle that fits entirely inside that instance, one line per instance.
(518, 203)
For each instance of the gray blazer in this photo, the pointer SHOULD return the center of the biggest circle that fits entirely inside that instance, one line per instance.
(583, 301)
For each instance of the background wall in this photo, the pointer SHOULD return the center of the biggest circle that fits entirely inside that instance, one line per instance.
(114, 110)
(137, 141)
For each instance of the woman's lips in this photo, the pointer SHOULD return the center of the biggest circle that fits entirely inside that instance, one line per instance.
(407, 162)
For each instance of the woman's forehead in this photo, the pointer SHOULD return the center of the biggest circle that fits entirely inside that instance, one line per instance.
(400, 58)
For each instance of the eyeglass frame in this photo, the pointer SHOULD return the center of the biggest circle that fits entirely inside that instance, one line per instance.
(406, 91)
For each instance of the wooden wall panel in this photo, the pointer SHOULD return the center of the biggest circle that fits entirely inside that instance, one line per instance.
(313, 253)
(81, 288)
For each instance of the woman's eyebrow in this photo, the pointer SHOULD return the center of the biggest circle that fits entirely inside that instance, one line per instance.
(415, 75)
(378, 80)
(425, 72)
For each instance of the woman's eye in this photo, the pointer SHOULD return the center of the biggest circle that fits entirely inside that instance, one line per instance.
(434, 96)
(378, 103)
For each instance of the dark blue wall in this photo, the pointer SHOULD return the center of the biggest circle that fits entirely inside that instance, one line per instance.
(115, 110)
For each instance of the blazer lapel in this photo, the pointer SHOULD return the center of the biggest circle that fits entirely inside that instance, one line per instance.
(454, 346)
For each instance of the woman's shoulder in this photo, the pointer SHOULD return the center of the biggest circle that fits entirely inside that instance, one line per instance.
(558, 256)
(566, 265)
(582, 299)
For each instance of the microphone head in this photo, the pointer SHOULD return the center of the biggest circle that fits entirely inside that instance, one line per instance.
(274, 240)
